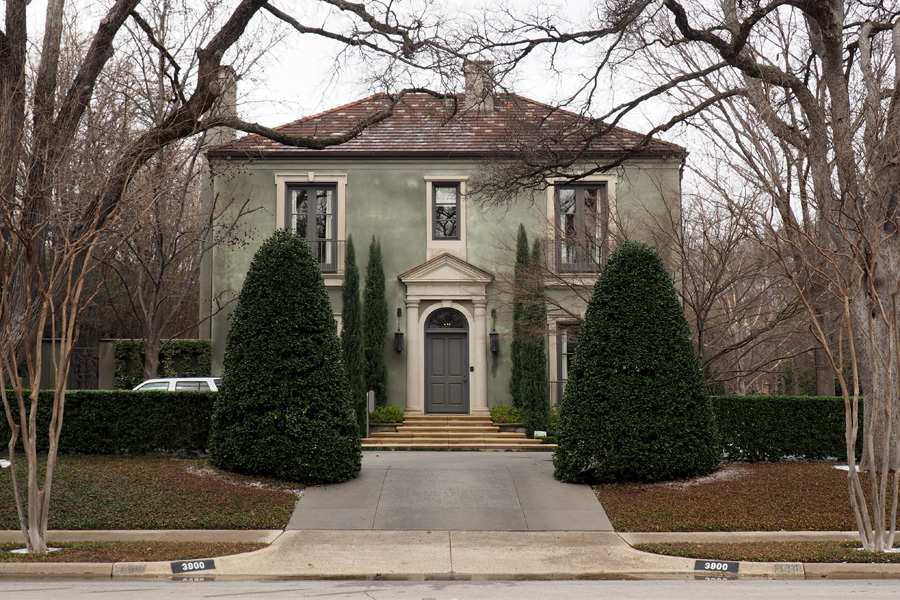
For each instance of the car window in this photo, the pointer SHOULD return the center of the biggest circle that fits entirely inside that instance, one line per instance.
(188, 385)
(218, 382)
(204, 387)
(154, 385)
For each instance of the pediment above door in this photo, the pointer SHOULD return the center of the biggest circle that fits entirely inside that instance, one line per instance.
(446, 269)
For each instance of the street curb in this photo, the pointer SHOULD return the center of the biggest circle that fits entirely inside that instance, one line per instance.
(62, 570)
(642, 566)
(162, 570)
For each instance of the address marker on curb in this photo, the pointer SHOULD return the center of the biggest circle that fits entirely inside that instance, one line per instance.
(189, 566)
(716, 566)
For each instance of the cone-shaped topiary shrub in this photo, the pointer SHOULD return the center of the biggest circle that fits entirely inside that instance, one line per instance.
(635, 405)
(285, 407)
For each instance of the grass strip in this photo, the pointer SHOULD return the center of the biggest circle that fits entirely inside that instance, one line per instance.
(809, 552)
(111, 552)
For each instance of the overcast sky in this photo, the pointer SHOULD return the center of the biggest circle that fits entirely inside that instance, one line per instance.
(298, 77)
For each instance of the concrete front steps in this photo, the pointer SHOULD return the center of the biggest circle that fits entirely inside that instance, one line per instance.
(449, 432)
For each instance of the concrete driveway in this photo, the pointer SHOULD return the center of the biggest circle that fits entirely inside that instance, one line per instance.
(452, 491)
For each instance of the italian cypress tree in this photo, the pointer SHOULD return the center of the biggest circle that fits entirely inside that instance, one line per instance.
(635, 406)
(352, 336)
(534, 392)
(520, 290)
(285, 408)
(375, 315)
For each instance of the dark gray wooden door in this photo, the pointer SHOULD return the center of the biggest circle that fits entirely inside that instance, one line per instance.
(447, 373)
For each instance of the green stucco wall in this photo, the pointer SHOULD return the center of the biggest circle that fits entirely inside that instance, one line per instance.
(387, 199)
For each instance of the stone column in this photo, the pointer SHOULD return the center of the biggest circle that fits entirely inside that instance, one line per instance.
(479, 404)
(414, 351)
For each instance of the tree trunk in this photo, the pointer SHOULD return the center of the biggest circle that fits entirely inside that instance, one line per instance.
(824, 373)
(151, 357)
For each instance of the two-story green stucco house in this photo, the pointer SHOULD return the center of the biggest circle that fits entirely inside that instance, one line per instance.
(447, 254)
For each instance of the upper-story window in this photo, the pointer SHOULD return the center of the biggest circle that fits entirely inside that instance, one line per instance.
(582, 223)
(445, 207)
(446, 211)
(311, 211)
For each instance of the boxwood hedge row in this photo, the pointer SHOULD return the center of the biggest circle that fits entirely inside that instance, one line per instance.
(768, 428)
(126, 422)
(753, 428)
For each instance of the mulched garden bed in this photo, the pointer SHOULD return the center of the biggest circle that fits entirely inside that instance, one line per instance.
(111, 552)
(141, 492)
(790, 496)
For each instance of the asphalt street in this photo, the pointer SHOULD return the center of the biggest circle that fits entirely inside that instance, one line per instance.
(447, 590)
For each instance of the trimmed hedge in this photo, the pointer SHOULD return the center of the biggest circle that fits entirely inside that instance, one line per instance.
(504, 414)
(126, 422)
(770, 428)
(386, 414)
(753, 428)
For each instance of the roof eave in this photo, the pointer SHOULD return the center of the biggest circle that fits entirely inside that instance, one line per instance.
(338, 154)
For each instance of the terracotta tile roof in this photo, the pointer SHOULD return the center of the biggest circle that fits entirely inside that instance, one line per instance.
(422, 125)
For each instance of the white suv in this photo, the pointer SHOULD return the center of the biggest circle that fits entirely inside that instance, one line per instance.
(181, 384)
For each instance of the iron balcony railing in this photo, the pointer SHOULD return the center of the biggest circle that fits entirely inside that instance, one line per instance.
(329, 253)
(578, 255)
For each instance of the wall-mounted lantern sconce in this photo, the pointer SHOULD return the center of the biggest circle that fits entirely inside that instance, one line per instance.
(494, 336)
(398, 336)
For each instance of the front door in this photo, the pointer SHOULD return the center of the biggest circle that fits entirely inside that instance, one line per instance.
(446, 364)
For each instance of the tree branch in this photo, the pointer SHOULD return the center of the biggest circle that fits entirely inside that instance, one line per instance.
(151, 36)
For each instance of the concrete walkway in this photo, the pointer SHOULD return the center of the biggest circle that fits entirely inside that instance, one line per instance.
(452, 491)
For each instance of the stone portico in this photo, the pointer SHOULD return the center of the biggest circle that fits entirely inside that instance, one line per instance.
(446, 281)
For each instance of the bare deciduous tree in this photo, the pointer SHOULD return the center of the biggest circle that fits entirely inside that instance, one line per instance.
(54, 229)
(820, 79)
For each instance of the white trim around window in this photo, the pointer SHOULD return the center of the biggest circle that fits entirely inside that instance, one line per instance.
(339, 180)
(434, 247)
(556, 323)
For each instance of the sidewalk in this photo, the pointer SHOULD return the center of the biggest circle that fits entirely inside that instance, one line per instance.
(446, 555)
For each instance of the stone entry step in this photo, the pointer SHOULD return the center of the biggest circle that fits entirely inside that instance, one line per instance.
(461, 429)
(449, 432)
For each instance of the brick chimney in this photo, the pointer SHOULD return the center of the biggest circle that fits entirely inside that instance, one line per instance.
(479, 85)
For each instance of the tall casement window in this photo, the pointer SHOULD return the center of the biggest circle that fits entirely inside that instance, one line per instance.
(582, 223)
(445, 211)
(311, 211)
(567, 338)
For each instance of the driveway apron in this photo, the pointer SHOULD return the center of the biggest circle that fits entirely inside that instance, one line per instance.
(452, 491)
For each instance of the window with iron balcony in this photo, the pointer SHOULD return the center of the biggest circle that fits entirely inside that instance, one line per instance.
(311, 211)
(581, 227)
